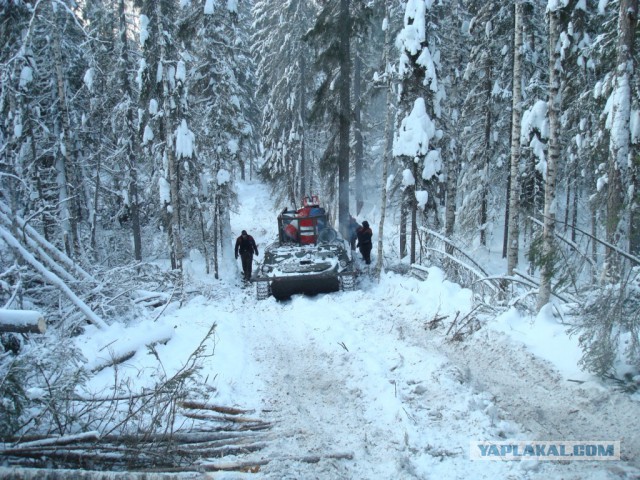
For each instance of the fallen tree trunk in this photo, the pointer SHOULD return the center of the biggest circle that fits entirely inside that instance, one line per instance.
(43, 245)
(195, 405)
(221, 418)
(41, 253)
(53, 441)
(213, 438)
(20, 473)
(22, 321)
(152, 455)
(52, 278)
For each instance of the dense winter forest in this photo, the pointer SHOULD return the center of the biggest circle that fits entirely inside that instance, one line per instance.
(466, 125)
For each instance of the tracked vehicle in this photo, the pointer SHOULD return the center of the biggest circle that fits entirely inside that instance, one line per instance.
(308, 257)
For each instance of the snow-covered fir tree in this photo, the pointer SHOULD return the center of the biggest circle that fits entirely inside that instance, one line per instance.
(486, 118)
(421, 99)
(283, 75)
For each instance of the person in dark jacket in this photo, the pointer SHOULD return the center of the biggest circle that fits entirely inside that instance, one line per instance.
(246, 246)
(364, 241)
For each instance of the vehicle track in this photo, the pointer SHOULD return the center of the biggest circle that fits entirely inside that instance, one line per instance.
(534, 394)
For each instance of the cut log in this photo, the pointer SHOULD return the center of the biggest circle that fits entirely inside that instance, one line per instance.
(222, 418)
(54, 441)
(20, 473)
(195, 405)
(22, 321)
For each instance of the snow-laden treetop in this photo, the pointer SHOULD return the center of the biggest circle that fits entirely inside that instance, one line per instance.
(416, 131)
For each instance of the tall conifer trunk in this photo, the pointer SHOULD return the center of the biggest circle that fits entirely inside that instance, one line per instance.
(619, 143)
(554, 105)
(302, 113)
(516, 118)
(64, 155)
(358, 148)
(488, 119)
(174, 231)
(414, 212)
(345, 118)
(131, 144)
(388, 140)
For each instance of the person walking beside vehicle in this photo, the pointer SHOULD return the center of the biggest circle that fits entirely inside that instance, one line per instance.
(364, 241)
(246, 246)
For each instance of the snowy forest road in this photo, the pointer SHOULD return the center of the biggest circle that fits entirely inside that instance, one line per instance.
(343, 380)
(356, 387)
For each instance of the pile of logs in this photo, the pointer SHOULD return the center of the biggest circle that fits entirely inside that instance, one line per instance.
(229, 432)
(228, 441)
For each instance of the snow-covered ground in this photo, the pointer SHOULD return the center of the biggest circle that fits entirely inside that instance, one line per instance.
(357, 382)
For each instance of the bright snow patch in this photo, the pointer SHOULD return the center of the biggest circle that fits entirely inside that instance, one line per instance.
(408, 178)
(413, 35)
(147, 136)
(165, 192)
(26, 76)
(416, 130)
(233, 146)
(432, 165)
(223, 176)
(184, 140)
(144, 29)
(422, 196)
(181, 71)
(153, 106)
(88, 78)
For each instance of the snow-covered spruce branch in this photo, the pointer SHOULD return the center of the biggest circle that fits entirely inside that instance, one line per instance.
(51, 278)
(618, 250)
(471, 269)
(27, 37)
(449, 242)
(607, 314)
(534, 282)
(569, 242)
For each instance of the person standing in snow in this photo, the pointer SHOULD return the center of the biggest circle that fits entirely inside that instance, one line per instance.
(364, 241)
(246, 246)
